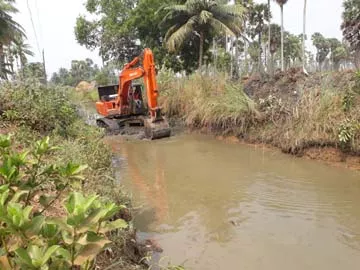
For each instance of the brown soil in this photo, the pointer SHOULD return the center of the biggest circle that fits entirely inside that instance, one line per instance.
(288, 85)
(333, 156)
(330, 155)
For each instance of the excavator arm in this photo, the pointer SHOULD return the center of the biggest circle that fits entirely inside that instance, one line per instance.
(140, 67)
(148, 72)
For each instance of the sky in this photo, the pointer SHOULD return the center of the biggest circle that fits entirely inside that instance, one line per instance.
(54, 22)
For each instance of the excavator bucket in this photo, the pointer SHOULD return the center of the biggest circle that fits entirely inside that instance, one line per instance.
(156, 129)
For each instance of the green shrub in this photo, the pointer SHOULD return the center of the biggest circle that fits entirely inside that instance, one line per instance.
(42, 108)
(30, 239)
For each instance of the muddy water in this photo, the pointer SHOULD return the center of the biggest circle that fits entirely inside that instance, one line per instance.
(218, 205)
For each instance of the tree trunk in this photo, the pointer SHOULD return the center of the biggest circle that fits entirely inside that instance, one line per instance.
(201, 49)
(357, 58)
(282, 37)
(260, 53)
(304, 35)
(269, 45)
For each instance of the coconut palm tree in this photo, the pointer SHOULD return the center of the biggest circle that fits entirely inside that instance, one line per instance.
(304, 37)
(269, 40)
(351, 27)
(9, 29)
(281, 3)
(197, 17)
(21, 51)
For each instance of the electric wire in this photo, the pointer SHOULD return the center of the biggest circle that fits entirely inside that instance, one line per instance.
(33, 26)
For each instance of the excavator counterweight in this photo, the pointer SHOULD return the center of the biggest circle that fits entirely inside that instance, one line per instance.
(123, 104)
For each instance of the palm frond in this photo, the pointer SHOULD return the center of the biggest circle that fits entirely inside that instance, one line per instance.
(179, 36)
(221, 27)
(177, 8)
(226, 10)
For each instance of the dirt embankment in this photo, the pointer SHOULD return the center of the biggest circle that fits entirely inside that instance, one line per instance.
(301, 123)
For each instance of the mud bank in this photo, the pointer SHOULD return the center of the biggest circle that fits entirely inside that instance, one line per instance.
(329, 155)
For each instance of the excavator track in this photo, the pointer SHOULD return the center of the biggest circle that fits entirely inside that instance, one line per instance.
(110, 125)
(153, 130)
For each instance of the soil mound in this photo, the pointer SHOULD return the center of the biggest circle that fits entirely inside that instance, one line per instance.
(289, 85)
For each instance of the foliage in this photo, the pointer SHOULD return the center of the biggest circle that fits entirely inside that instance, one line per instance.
(84, 70)
(12, 46)
(292, 49)
(322, 47)
(29, 239)
(259, 14)
(106, 31)
(197, 17)
(43, 108)
(348, 130)
(33, 71)
(351, 26)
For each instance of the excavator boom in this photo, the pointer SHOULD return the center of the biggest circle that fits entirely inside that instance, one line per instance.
(127, 103)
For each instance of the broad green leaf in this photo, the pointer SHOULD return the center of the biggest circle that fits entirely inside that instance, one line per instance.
(3, 197)
(93, 237)
(35, 226)
(64, 254)
(110, 226)
(19, 159)
(49, 230)
(72, 201)
(24, 257)
(93, 218)
(5, 141)
(27, 211)
(87, 203)
(35, 253)
(61, 223)
(3, 188)
(67, 237)
(17, 196)
(49, 252)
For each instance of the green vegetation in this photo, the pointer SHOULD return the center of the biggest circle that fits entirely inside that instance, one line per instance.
(32, 240)
(216, 103)
(323, 115)
(201, 17)
(351, 27)
(39, 176)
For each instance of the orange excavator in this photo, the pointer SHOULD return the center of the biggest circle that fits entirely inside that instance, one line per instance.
(123, 104)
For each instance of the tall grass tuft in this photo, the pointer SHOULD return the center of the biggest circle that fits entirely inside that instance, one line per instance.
(207, 101)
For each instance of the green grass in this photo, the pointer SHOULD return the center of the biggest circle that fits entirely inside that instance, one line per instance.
(203, 101)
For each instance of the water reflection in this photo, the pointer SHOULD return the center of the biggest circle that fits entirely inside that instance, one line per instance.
(222, 206)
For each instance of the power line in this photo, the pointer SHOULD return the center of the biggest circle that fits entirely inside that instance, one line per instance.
(33, 26)
(38, 21)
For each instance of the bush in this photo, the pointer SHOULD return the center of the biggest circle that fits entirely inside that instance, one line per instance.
(30, 239)
(42, 108)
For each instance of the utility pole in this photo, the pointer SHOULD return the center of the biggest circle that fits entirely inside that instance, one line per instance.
(44, 66)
